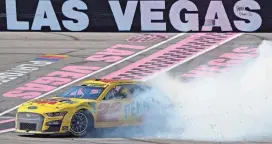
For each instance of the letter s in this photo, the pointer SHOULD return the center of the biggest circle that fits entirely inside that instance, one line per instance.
(82, 18)
(254, 18)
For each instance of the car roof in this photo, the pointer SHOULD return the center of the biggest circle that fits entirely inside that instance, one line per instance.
(111, 81)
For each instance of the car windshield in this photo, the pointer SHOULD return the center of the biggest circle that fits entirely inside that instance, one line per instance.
(83, 92)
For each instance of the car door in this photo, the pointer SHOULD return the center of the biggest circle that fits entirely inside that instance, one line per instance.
(124, 105)
(118, 108)
(137, 105)
(145, 102)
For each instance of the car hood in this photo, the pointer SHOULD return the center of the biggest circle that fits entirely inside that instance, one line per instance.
(50, 104)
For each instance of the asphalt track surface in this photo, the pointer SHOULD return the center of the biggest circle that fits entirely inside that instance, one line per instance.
(20, 48)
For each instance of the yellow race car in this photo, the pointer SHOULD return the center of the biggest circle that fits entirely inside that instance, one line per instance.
(90, 105)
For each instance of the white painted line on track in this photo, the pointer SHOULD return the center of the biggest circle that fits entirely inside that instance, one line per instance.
(7, 117)
(7, 121)
(98, 71)
(7, 130)
(192, 57)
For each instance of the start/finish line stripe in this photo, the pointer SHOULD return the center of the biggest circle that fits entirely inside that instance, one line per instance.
(172, 56)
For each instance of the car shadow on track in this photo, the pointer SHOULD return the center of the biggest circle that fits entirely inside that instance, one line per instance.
(69, 136)
(45, 136)
(94, 134)
(125, 132)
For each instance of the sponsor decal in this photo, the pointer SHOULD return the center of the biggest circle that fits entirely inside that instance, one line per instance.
(96, 85)
(32, 107)
(46, 101)
(26, 68)
(95, 91)
(136, 15)
(137, 108)
(109, 112)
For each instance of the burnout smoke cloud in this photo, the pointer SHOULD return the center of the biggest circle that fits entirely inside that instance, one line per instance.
(234, 105)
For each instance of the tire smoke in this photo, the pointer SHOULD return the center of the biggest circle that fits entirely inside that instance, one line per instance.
(234, 105)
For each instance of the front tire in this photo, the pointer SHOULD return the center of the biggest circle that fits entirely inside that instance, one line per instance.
(82, 123)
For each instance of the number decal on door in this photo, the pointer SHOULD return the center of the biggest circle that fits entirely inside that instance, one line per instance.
(108, 112)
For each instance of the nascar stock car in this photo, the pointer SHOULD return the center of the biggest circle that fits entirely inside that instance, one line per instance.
(90, 105)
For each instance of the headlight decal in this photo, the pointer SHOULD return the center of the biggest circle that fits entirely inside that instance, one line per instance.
(56, 114)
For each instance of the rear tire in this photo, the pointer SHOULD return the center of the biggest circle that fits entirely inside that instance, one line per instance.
(82, 123)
